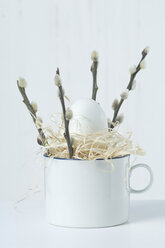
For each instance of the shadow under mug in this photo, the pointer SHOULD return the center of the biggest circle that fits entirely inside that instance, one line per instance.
(89, 194)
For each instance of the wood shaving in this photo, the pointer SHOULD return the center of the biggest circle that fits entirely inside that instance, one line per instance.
(100, 145)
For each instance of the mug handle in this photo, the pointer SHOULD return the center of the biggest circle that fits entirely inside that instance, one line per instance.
(131, 190)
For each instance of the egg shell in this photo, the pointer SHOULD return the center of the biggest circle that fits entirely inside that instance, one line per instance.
(88, 117)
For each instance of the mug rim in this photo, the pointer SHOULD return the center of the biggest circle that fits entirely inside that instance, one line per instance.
(76, 159)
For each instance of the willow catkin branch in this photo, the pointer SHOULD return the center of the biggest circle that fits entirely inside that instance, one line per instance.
(66, 122)
(94, 74)
(32, 113)
(94, 66)
(129, 86)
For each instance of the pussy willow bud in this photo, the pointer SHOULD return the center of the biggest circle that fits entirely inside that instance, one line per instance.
(39, 122)
(120, 118)
(68, 114)
(109, 122)
(34, 106)
(115, 104)
(22, 82)
(132, 70)
(124, 94)
(57, 80)
(145, 50)
(94, 56)
(143, 64)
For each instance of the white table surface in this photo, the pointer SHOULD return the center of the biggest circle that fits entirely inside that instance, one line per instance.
(26, 227)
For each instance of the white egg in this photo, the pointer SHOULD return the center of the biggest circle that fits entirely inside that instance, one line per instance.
(88, 117)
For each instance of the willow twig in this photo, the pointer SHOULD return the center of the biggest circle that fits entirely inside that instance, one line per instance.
(94, 66)
(42, 140)
(129, 86)
(66, 121)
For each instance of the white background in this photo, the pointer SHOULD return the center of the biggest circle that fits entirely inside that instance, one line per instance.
(36, 36)
(26, 227)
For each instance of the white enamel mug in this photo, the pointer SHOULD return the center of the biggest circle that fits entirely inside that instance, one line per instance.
(89, 194)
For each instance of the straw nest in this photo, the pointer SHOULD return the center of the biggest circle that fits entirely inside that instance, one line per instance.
(102, 145)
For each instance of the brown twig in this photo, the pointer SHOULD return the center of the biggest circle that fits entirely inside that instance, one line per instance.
(129, 87)
(66, 122)
(94, 74)
(42, 140)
